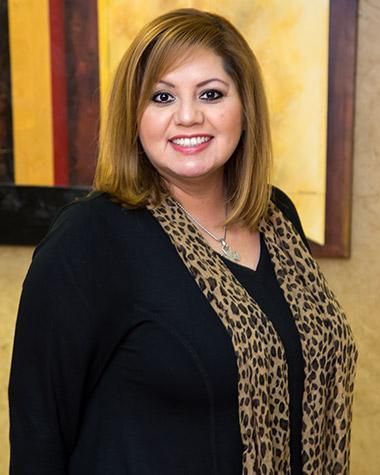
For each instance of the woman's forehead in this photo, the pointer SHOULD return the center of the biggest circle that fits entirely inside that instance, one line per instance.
(186, 57)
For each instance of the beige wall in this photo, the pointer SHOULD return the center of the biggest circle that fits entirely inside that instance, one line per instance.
(355, 281)
(13, 264)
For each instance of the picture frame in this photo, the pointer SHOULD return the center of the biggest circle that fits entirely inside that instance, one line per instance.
(27, 211)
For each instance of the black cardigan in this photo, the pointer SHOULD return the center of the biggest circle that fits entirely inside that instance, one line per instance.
(120, 365)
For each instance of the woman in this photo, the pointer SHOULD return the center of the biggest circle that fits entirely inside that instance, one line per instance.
(174, 322)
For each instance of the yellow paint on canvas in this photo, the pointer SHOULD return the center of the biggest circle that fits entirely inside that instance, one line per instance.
(290, 40)
(31, 91)
(119, 22)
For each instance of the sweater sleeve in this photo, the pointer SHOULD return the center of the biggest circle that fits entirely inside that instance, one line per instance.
(286, 205)
(55, 344)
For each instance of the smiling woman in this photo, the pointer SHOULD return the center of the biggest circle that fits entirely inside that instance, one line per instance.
(145, 71)
(174, 321)
(193, 122)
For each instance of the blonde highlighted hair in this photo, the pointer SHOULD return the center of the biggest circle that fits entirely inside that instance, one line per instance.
(124, 171)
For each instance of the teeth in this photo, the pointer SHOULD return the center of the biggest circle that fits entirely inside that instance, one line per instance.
(191, 142)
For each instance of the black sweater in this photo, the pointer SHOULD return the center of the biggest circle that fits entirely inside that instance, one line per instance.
(120, 365)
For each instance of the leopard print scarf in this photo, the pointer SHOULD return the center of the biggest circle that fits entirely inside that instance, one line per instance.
(329, 350)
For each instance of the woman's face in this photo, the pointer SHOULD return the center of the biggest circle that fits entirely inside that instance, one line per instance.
(193, 121)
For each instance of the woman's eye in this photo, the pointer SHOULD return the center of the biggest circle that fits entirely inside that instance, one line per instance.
(211, 95)
(162, 98)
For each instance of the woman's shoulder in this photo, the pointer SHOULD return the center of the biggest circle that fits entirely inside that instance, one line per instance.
(81, 210)
(97, 208)
(77, 218)
(87, 222)
(284, 203)
(288, 209)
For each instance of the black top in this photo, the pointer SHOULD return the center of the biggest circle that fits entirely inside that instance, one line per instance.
(263, 286)
(120, 365)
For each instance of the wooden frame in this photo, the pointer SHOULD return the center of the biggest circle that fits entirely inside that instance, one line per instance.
(43, 203)
(340, 126)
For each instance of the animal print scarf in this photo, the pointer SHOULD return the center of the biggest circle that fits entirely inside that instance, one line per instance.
(329, 350)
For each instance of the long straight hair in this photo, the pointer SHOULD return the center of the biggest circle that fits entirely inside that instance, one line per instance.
(124, 171)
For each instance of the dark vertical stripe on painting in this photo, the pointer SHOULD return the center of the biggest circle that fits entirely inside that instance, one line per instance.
(59, 91)
(81, 24)
(6, 132)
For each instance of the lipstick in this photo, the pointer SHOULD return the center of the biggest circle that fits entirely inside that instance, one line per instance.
(189, 144)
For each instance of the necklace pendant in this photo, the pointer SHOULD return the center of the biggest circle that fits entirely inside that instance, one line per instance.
(230, 253)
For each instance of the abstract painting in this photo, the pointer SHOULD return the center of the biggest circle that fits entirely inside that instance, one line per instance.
(57, 59)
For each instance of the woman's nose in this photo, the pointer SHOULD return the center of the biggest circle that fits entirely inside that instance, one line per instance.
(188, 112)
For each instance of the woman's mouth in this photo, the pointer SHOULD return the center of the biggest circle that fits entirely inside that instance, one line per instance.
(189, 145)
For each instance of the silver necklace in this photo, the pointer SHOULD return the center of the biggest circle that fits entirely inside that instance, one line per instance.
(227, 250)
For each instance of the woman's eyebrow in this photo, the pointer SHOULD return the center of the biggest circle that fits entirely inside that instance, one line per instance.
(203, 83)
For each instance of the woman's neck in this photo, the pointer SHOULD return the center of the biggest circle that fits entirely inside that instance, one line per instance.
(206, 203)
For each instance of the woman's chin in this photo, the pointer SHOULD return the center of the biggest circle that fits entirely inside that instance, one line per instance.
(196, 173)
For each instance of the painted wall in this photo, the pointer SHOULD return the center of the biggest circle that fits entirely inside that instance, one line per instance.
(355, 281)
(13, 264)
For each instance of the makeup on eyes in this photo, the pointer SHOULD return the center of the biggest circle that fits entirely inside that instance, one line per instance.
(201, 84)
(216, 95)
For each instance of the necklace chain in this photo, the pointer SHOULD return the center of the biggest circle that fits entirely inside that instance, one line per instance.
(227, 250)
(202, 227)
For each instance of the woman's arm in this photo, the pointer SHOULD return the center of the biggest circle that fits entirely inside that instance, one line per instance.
(55, 341)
